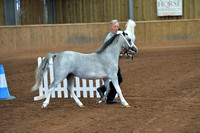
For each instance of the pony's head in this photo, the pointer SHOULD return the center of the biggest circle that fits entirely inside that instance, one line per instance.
(129, 36)
(130, 31)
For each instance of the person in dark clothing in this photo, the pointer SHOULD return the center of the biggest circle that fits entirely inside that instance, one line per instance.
(114, 26)
(112, 93)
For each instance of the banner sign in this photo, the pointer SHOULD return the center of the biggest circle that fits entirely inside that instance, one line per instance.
(169, 8)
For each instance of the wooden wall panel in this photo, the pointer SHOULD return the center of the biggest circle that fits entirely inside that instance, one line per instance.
(2, 17)
(146, 10)
(168, 33)
(33, 12)
(148, 34)
(87, 11)
(90, 11)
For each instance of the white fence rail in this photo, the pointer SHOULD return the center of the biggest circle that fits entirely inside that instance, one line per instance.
(82, 87)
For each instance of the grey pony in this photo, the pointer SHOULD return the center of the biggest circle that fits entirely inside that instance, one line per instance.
(102, 64)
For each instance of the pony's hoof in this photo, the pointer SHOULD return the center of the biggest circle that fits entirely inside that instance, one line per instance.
(43, 106)
(127, 106)
(98, 102)
(82, 106)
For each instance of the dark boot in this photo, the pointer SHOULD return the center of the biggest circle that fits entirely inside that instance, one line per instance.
(111, 95)
(101, 90)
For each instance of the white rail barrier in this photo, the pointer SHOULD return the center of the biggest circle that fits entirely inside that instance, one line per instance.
(82, 87)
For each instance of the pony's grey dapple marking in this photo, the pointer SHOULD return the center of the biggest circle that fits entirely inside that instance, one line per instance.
(100, 64)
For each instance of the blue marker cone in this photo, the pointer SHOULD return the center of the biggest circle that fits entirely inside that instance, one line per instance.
(4, 93)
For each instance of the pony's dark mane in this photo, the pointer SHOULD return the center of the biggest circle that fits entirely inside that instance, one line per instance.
(106, 44)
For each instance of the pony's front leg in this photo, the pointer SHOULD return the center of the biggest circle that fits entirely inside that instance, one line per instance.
(107, 85)
(78, 102)
(70, 87)
(117, 87)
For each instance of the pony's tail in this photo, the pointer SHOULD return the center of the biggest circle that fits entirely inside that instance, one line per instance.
(40, 71)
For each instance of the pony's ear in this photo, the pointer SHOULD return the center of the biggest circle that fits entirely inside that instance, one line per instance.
(124, 33)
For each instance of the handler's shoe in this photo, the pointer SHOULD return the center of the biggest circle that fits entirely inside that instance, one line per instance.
(112, 101)
(100, 92)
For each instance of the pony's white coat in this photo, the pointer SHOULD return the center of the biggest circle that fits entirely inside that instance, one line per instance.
(101, 64)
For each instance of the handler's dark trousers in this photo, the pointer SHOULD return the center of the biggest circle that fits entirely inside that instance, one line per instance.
(112, 93)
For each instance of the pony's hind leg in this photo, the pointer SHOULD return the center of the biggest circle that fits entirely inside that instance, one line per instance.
(46, 102)
(51, 89)
(70, 87)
